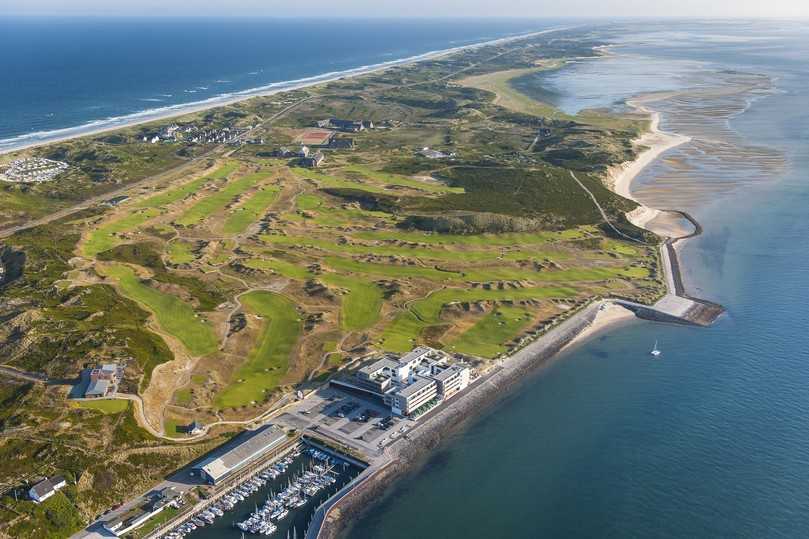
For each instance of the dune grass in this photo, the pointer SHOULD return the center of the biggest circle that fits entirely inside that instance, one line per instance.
(217, 201)
(251, 211)
(487, 337)
(403, 181)
(174, 316)
(268, 361)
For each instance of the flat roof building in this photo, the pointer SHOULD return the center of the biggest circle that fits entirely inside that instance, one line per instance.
(415, 395)
(97, 388)
(245, 448)
(411, 381)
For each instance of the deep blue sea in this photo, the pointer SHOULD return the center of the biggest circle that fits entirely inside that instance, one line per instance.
(712, 439)
(62, 73)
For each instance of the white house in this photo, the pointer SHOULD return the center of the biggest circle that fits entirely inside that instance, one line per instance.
(46, 488)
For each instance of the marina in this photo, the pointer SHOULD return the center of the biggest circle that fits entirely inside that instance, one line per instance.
(277, 501)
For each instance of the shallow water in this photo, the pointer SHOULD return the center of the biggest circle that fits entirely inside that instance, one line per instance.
(712, 439)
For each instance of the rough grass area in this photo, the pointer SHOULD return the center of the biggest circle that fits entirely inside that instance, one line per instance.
(386, 178)
(268, 361)
(487, 337)
(172, 314)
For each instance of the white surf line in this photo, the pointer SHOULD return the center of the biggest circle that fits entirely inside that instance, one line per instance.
(95, 127)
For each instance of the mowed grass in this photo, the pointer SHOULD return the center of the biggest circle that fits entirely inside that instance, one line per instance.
(180, 252)
(389, 270)
(359, 307)
(251, 211)
(217, 201)
(488, 336)
(438, 252)
(178, 193)
(268, 361)
(106, 236)
(174, 316)
(407, 326)
(105, 406)
(281, 267)
(308, 201)
(477, 240)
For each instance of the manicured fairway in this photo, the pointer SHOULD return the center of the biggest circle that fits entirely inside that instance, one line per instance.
(251, 211)
(180, 252)
(478, 240)
(218, 200)
(427, 253)
(174, 315)
(282, 267)
(268, 361)
(406, 328)
(359, 308)
(105, 237)
(178, 193)
(308, 201)
(401, 334)
(106, 406)
(389, 270)
(487, 336)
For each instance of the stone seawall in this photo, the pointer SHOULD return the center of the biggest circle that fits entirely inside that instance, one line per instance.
(405, 456)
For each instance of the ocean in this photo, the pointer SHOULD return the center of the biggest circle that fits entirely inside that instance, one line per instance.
(63, 76)
(711, 439)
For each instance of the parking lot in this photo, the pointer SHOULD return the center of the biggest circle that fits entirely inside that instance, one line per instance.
(344, 416)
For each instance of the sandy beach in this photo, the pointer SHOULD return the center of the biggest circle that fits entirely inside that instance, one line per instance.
(32, 140)
(657, 142)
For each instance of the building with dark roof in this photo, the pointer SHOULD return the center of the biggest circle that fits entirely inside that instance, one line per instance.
(46, 488)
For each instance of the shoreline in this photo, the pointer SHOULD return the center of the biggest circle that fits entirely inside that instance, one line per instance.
(96, 127)
(510, 371)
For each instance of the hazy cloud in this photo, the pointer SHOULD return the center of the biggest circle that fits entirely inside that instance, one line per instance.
(414, 8)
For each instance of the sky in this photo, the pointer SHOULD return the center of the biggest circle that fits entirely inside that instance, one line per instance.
(413, 8)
